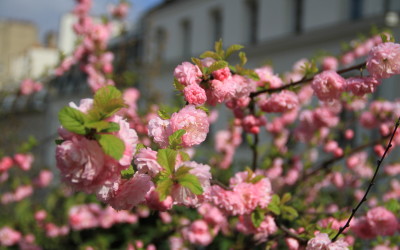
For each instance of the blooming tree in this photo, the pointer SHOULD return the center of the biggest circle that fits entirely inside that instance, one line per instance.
(304, 183)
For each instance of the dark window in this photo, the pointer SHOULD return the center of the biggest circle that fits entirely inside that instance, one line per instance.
(252, 7)
(187, 39)
(160, 41)
(356, 7)
(298, 16)
(216, 17)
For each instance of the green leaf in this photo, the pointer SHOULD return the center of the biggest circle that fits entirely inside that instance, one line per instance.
(185, 156)
(275, 199)
(243, 58)
(257, 178)
(257, 216)
(111, 145)
(112, 127)
(191, 182)
(108, 100)
(286, 197)
(199, 64)
(205, 109)
(167, 158)
(181, 172)
(232, 49)
(163, 114)
(28, 145)
(218, 48)
(139, 146)
(72, 120)
(217, 65)
(393, 205)
(164, 187)
(274, 208)
(59, 141)
(175, 139)
(289, 212)
(178, 86)
(210, 54)
(98, 125)
(127, 173)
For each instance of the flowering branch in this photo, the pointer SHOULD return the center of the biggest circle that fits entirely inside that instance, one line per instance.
(329, 162)
(304, 80)
(372, 182)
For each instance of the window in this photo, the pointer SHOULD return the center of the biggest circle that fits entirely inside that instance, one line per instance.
(356, 7)
(252, 9)
(216, 17)
(187, 39)
(160, 43)
(298, 16)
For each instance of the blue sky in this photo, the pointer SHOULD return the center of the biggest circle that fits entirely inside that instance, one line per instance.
(46, 13)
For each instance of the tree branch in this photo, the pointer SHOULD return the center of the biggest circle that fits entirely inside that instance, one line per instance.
(304, 80)
(371, 183)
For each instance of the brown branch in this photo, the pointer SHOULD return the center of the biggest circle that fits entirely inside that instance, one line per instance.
(304, 80)
(290, 233)
(218, 183)
(325, 164)
(371, 183)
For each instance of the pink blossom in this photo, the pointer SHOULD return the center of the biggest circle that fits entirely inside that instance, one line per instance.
(24, 161)
(349, 134)
(146, 162)
(382, 221)
(84, 216)
(131, 97)
(29, 87)
(129, 137)
(252, 124)
(267, 78)
(322, 242)
(347, 58)
(80, 161)
(328, 85)
(9, 236)
(198, 233)
(120, 11)
(213, 216)
(183, 195)
(6, 163)
(187, 73)
(330, 63)
(40, 215)
(383, 60)
(362, 228)
(131, 192)
(360, 86)
(194, 122)
(159, 130)
(261, 233)
(153, 201)
(392, 170)
(280, 102)
(222, 74)
(221, 91)
(22, 192)
(44, 178)
(194, 94)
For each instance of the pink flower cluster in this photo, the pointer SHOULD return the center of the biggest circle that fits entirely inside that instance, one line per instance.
(95, 61)
(280, 102)
(261, 233)
(120, 10)
(361, 48)
(9, 236)
(328, 85)
(223, 86)
(378, 221)
(83, 164)
(226, 142)
(19, 194)
(383, 60)
(92, 216)
(243, 197)
(321, 241)
(193, 121)
(23, 161)
(28, 87)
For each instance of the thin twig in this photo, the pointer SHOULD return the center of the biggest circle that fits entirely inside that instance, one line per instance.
(371, 183)
(290, 233)
(304, 80)
(218, 183)
(325, 164)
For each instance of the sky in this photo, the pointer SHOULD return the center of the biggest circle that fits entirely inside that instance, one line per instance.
(47, 13)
